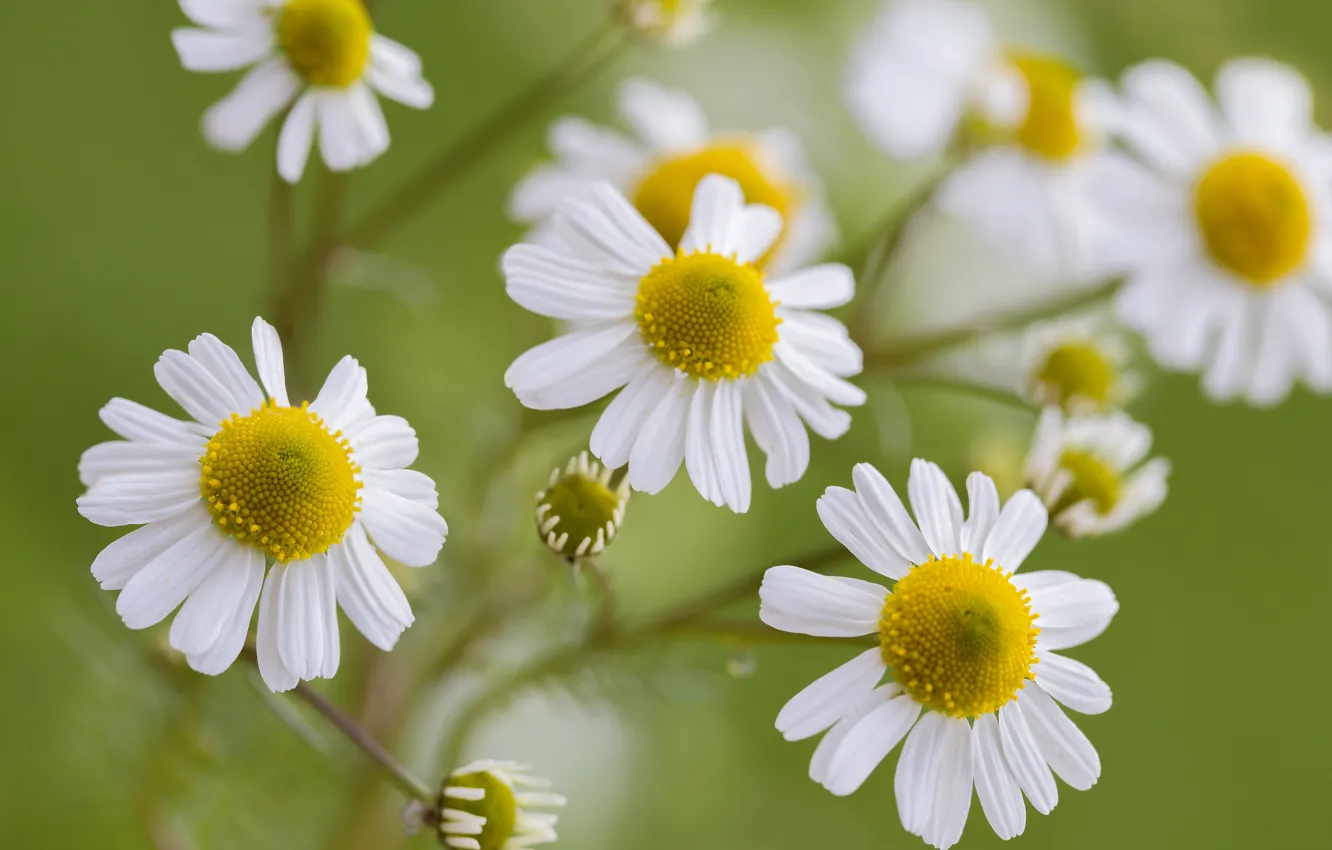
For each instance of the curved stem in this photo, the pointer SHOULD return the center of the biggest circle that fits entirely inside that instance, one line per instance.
(961, 387)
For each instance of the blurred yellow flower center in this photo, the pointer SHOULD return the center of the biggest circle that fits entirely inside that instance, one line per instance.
(707, 315)
(959, 636)
(1077, 370)
(327, 41)
(1050, 128)
(1254, 217)
(578, 513)
(666, 195)
(278, 480)
(498, 807)
(1093, 480)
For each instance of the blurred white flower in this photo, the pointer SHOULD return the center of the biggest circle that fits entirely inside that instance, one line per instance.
(959, 636)
(1089, 471)
(1077, 365)
(930, 74)
(320, 488)
(660, 169)
(486, 807)
(321, 58)
(674, 23)
(1223, 227)
(700, 337)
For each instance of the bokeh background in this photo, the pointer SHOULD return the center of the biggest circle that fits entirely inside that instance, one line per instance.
(124, 235)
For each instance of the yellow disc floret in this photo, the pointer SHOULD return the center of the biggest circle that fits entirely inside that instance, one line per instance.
(327, 41)
(959, 636)
(278, 480)
(1051, 128)
(1092, 479)
(666, 195)
(1077, 370)
(1254, 217)
(707, 315)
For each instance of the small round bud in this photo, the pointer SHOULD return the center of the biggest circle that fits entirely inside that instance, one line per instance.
(485, 807)
(673, 23)
(580, 512)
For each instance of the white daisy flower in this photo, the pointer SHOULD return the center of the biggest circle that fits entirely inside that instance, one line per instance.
(929, 73)
(674, 23)
(486, 807)
(321, 58)
(1223, 228)
(660, 169)
(1076, 364)
(1089, 471)
(318, 489)
(970, 648)
(701, 340)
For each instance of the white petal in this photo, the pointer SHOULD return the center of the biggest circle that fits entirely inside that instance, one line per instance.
(394, 56)
(342, 399)
(407, 483)
(339, 138)
(1024, 758)
(192, 387)
(937, 508)
(115, 565)
(889, 514)
(604, 229)
(369, 120)
(119, 457)
(294, 148)
(367, 591)
(300, 620)
(700, 461)
(326, 579)
(268, 359)
(1073, 683)
(134, 421)
(918, 772)
(274, 672)
(818, 287)
(211, 606)
(1265, 102)
(590, 152)
(562, 372)
(821, 381)
(384, 442)
(721, 223)
(823, 340)
(140, 498)
(223, 364)
(163, 583)
(1065, 748)
(395, 71)
(541, 192)
(983, 507)
(777, 431)
(868, 743)
(832, 741)
(205, 51)
(659, 449)
(846, 519)
(1072, 610)
(667, 119)
(406, 531)
(233, 122)
(999, 793)
(952, 795)
(821, 417)
(1017, 531)
(831, 697)
(727, 441)
(224, 14)
(225, 650)
(552, 283)
(1171, 120)
(616, 430)
(798, 600)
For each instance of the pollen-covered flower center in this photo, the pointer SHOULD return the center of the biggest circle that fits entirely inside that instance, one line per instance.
(959, 636)
(666, 195)
(498, 807)
(1254, 217)
(1050, 128)
(1077, 370)
(1091, 479)
(278, 480)
(707, 315)
(327, 41)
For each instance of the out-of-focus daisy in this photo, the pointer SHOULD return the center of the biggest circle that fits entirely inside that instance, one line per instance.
(486, 806)
(929, 74)
(970, 646)
(579, 513)
(318, 489)
(1222, 226)
(1077, 365)
(674, 23)
(1090, 473)
(321, 58)
(701, 340)
(660, 169)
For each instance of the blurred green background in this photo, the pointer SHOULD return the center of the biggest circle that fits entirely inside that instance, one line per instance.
(123, 235)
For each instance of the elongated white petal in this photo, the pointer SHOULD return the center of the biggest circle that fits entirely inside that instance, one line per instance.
(296, 138)
(952, 795)
(700, 461)
(554, 374)
(601, 227)
(1073, 683)
(818, 287)
(194, 388)
(777, 431)
(999, 793)
(206, 51)
(407, 531)
(210, 606)
(134, 421)
(275, 673)
(395, 72)
(667, 119)
(918, 772)
(384, 442)
(1072, 610)
(868, 743)
(1265, 102)
(115, 565)
(367, 591)
(552, 283)
(660, 447)
(407, 483)
(616, 430)
(1024, 758)
(225, 365)
(119, 457)
(231, 639)
(829, 698)
(846, 519)
(234, 122)
(886, 509)
(342, 399)
(156, 590)
(268, 359)
(797, 600)
(1016, 532)
(141, 497)
(1065, 747)
(983, 507)
(832, 741)
(937, 508)
(727, 441)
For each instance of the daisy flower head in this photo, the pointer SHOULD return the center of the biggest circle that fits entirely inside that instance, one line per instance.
(673, 23)
(699, 337)
(1090, 471)
(931, 74)
(487, 806)
(256, 492)
(1221, 227)
(969, 646)
(660, 168)
(321, 58)
(1076, 364)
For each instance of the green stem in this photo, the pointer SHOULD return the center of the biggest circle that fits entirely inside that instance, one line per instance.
(962, 387)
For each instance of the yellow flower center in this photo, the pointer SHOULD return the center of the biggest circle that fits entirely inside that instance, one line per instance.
(1050, 128)
(1093, 480)
(959, 636)
(278, 480)
(666, 195)
(498, 807)
(1077, 370)
(707, 315)
(327, 41)
(1254, 217)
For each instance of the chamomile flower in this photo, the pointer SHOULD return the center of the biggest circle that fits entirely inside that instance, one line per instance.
(1090, 473)
(1222, 227)
(674, 23)
(930, 74)
(970, 648)
(321, 58)
(254, 491)
(1076, 364)
(580, 512)
(699, 337)
(486, 806)
(659, 170)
